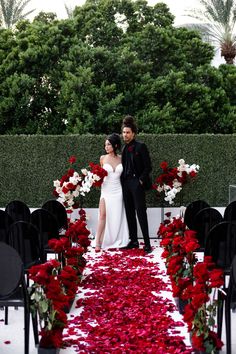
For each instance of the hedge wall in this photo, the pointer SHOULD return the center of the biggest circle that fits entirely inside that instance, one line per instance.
(29, 164)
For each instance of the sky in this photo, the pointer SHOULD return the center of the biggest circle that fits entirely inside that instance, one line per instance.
(177, 7)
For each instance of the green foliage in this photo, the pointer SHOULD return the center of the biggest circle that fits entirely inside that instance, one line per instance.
(30, 164)
(83, 74)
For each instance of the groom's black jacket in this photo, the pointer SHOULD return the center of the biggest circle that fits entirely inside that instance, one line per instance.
(140, 162)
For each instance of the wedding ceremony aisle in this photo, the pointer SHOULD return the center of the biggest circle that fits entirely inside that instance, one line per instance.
(123, 305)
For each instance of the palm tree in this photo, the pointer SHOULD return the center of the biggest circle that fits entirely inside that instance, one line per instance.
(218, 19)
(69, 11)
(11, 11)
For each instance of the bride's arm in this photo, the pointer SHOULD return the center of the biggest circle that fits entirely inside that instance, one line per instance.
(102, 160)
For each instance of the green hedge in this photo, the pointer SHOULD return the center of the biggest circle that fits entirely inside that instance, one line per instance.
(29, 164)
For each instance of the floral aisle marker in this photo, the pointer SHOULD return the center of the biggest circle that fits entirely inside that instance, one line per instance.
(179, 245)
(192, 281)
(55, 283)
(200, 312)
(73, 185)
(172, 179)
(123, 310)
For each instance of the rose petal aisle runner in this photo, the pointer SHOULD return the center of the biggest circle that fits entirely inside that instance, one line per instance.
(123, 307)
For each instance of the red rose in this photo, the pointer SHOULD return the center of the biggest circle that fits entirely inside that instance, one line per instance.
(131, 148)
(164, 165)
(198, 342)
(72, 159)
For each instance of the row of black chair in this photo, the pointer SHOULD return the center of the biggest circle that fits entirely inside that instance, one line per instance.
(200, 211)
(19, 211)
(31, 238)
(24, 240)
(217, 237)
(199, 216)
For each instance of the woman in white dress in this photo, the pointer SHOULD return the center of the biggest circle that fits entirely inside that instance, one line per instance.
(112, 230)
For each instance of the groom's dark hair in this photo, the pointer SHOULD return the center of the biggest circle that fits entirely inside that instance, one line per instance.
(129, 122)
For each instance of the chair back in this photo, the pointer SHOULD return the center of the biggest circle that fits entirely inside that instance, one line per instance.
(5, 222)
(59, 211)
(46, 224)
(204, 220)
(11, 274)
(230, 212)
(13, 290)
(221, 244)
(18, 210)
(191, 211)
(24, 237)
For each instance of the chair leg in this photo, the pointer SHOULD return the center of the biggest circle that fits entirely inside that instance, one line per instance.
(220, 313)
(35, 328)
(228, 320)
(27, 328)
(6, 315)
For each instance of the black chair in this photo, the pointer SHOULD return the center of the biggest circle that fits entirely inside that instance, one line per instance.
(18, 210)
(191, 211)
(221, 246)
(47, 226)
(5, 222)
(204, 220)
(229, 303)
(13, 290)
(25, 238)
(230, 212)
(59, 211)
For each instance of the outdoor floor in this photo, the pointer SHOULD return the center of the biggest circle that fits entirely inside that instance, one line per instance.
(12, 335)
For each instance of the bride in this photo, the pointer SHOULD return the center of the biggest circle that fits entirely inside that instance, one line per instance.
(112, 230)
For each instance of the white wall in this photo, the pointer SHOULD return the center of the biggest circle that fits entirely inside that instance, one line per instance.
(155, 216)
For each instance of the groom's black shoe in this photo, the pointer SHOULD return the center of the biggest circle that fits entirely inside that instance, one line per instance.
(147, 249)
(132, 244)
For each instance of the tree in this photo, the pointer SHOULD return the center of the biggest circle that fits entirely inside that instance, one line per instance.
(13, 10)
(69, 11)
(218, 17)
(114, 57)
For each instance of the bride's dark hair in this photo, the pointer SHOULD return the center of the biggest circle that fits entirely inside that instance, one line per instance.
(115, 141)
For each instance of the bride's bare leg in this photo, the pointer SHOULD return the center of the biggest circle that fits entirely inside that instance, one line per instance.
(101, 225)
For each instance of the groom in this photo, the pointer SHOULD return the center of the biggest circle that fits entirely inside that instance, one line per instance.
(135, 179)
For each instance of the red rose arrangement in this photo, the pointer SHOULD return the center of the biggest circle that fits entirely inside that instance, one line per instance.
(74, 185)
(55, 283)
(200, 312)
(179, 245)
(172, 179)
(194, 282)
(48, 301)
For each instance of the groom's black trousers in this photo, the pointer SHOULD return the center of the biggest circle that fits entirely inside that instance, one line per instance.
(134, 200)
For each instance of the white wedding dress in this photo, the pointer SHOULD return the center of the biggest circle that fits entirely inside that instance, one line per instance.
(116, 232)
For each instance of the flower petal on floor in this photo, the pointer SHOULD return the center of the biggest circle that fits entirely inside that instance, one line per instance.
(123, 310)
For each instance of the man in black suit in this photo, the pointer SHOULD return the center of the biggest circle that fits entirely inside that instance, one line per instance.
(135, 179)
